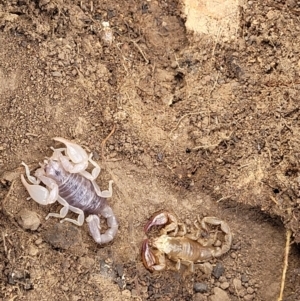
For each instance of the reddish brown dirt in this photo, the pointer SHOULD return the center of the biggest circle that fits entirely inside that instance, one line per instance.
(203, 127)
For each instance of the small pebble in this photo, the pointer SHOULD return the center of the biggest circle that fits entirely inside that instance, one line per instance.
(65, 288)
(174, 65)
(28, 220)
(56, 74)
(32, 251)
(199, 297)
(244, 278)
(237, 284)
(249, 297)
(219, 295)
(250, 290)
(218, 270)
(218, 243)
(233, 255)
(126, 293)
(206, 268)
(38, 241)
(200, 287)
(224, 285)
(241, 292)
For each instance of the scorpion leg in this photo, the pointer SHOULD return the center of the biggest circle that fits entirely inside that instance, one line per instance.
(94, 226)
(189, 264)
(92, 177)
(97, 169)
(225, 228)
(106, 193)
(64, 210)
(205, 239)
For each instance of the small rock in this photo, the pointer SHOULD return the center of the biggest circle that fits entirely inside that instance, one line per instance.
(28, 220)
(233, 255)
(218, 270)
(65, 288)
(241, 292)
(43, 2)
(249, 297)
(219, 295)
(56, 74)
(291, 3)
(245, 278)
(206, 268)
(63, 236)
(224, 285)
(237, 284)
(38, 241)
(250, 290)
(126, 293)
(200, 287)
(174, 65)
(120, 269)
(199, 297)
(218, 243)
(32, 251)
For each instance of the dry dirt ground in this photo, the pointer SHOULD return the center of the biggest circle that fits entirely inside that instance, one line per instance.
(203, 127)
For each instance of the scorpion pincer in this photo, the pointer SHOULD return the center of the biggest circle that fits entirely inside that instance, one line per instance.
(180, 246)
(68, 182)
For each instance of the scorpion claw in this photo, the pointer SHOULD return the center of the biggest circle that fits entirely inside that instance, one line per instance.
(153, 260)
(147, 256)
(157, 219)
(162, 218)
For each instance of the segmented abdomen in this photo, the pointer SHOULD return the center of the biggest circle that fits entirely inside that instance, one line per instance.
(192, 250)
(79, 192)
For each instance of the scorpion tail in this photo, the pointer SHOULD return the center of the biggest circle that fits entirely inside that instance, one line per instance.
(94, 226)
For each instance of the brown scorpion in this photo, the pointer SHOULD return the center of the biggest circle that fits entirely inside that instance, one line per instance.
(179, 246)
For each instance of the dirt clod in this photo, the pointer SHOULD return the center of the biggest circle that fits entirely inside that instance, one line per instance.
(63, 236)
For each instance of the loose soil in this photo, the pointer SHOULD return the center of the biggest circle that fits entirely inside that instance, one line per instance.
(204, 126)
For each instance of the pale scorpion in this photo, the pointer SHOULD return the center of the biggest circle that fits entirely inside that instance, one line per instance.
(68, 182)
(179, 246)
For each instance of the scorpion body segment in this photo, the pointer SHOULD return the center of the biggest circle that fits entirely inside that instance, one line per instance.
(77, 190)
(182, 248)
(74, 188)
